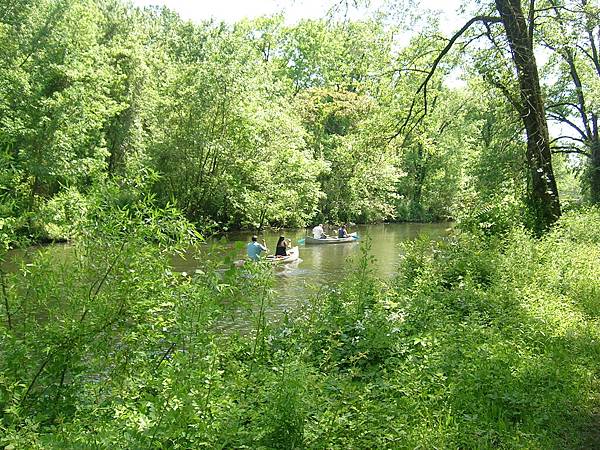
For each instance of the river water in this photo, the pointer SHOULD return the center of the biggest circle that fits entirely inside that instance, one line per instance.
(325, 265)
(319, 265)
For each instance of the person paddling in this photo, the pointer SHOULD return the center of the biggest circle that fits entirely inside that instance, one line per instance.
(342, 232)
(318, 232)
(254, 249)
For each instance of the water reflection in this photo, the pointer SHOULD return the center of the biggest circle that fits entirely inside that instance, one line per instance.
(325, 265)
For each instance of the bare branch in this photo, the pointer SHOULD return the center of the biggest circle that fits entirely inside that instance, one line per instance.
(559, 104)
(563, 119)
(446, 49)
(423, 86)
(567, 137)
(569, 151)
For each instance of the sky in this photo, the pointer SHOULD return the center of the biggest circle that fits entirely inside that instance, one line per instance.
(234, 10)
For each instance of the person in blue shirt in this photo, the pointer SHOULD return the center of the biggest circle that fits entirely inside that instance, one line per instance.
(342, 232)
(254, 249)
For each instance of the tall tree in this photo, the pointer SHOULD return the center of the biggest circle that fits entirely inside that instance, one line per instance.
(571, 29)
(228, 147)
(542, 193)
(53, 81)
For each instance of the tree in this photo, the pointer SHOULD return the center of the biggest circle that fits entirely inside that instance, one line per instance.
(342, 56)
(53, 84)
(228, 148)
(572, 31)
(358, 184)
(125, 41)
(542, 192)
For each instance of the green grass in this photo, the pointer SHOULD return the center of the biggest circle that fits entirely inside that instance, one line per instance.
(480, 342)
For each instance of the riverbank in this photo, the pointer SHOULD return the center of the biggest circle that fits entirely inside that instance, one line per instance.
(477, 343)
(58, 236)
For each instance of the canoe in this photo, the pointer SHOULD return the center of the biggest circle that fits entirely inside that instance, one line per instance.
(352, 237)
(293, 255)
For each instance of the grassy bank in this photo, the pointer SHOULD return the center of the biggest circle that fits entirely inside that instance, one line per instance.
(478, 343)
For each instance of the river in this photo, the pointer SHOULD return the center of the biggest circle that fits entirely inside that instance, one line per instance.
(323, 265)
(318, 266)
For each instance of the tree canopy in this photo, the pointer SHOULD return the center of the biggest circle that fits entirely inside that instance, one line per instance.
(264, 123)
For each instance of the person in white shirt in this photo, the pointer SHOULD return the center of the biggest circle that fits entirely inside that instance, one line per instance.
(318, 232)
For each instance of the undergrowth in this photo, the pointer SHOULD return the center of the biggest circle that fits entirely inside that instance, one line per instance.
(479, 342)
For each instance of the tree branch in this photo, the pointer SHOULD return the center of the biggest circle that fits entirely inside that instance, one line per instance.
(531, 18)
(446, 49)
(556, 105)
(405, 69)
(569, 151)
(567, 137)
(590, 31)
(5, 295)
(585, 52)
(423, 86)
(165, 355)
(563, 119)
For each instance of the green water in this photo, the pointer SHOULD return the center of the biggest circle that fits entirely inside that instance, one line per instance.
(321, 266)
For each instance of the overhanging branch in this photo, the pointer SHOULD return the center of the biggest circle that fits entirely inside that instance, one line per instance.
(423, 86)
(446, 49)
(569, 151)
(562, 119)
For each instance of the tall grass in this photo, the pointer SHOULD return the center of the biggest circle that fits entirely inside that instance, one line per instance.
(480, 342)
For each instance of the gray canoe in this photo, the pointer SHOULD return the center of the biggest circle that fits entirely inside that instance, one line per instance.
(352, 237)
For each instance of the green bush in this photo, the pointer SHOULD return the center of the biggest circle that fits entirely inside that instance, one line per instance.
(62, 215)
(493, 216)
(480, 342)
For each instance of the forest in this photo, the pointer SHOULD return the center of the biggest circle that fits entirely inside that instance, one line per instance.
(130, 135)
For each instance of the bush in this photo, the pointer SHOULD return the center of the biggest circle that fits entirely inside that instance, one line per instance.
(494, 216)
(480, 342)
(62, 215)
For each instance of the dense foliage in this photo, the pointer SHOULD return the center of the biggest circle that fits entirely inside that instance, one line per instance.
(478, 343)
(265, 123)
(133, 134)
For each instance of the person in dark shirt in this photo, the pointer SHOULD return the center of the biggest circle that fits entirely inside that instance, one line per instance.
(282, 246)
(342, 232)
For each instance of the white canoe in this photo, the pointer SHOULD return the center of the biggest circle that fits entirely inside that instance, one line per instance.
(352, 237)
(293, 255)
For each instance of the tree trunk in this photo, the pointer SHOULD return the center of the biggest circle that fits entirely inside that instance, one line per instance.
(589, 119)
(594, 169)
(544, 201)
(420, 173)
